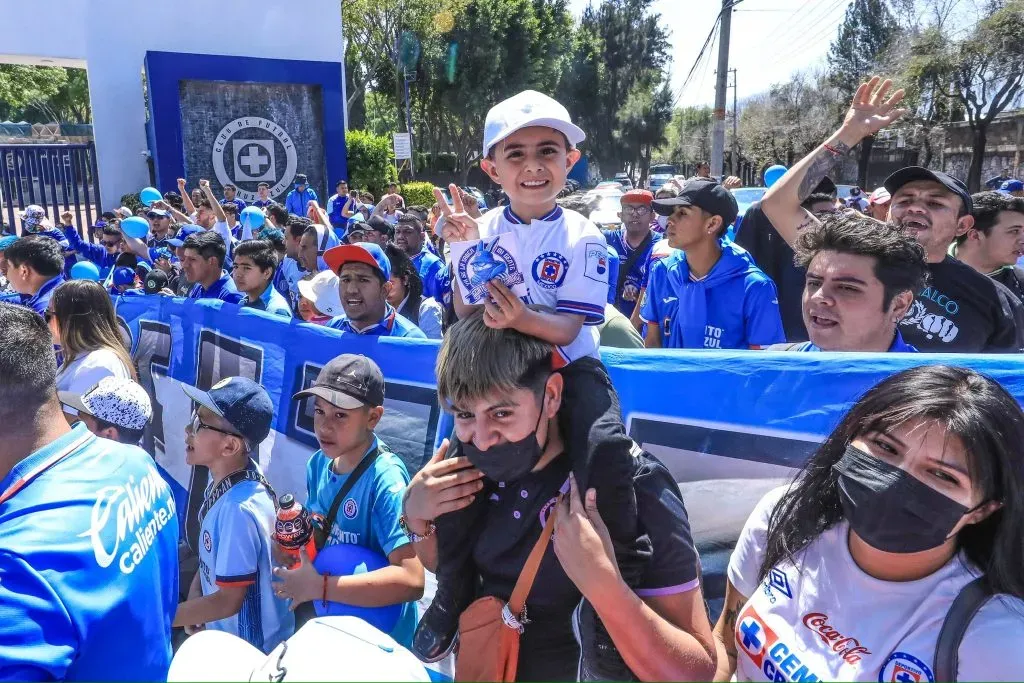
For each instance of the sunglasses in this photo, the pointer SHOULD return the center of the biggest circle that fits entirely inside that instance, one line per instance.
(110, 244)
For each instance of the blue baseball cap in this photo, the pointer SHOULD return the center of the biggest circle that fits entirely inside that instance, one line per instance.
(360, 252)
(245, 405)
(124, 276)
(1011, 186)
(186, 230)
(159, 213)
(6, 241)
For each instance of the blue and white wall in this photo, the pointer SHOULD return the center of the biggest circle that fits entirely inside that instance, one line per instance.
(110, 38)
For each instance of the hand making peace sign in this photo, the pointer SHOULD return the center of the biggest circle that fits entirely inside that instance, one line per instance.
(459, 226)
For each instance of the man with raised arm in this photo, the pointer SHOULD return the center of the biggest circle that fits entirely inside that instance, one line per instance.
(960, 310)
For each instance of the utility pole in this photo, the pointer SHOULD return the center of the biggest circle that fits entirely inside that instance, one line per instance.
(721, 85)
(734, 164)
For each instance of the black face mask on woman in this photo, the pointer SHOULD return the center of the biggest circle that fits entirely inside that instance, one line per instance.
(508, 461)
(889, 508)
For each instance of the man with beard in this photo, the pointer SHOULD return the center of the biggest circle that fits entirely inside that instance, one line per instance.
(960, 310)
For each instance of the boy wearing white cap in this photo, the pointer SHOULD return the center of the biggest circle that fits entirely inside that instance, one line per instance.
(529, 147)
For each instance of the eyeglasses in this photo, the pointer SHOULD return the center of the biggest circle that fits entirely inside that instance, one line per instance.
(109, 244)
(635, 208)
(196, 424)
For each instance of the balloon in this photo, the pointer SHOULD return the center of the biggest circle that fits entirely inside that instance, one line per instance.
(345, 559)
(252, 217)
(85, 270)
(148, 195)
(773, 173)
(135, 227)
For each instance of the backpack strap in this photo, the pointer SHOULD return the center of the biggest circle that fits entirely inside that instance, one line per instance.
(965, 606)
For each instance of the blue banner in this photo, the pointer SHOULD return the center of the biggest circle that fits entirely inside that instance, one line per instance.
(730, 425)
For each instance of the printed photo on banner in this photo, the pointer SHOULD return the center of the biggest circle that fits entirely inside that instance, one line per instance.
(480, 261)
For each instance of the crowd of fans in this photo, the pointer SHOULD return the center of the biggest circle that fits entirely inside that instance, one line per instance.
(915, 496)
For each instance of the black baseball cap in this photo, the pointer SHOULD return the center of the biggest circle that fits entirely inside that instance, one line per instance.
(911, 173)
(349, 381)
(156, 280)
(380, 225)
(704, 193)
(244, 404)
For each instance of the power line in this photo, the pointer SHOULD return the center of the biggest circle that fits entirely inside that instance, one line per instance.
(812, 41)
(804, 24)
(703, 49)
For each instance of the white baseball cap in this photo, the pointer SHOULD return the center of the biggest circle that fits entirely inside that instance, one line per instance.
(322, 290)
(528, 108)
(324, 649)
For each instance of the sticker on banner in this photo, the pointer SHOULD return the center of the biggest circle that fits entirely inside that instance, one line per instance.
(480, 261)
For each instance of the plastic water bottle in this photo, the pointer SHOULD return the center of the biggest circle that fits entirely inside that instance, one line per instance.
(293, 530)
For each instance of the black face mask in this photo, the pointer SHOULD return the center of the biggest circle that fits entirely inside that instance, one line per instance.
(508, 461)
(890, 509)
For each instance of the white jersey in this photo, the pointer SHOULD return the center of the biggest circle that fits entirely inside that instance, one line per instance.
(566, 262)
(235, 550)
(830, 621)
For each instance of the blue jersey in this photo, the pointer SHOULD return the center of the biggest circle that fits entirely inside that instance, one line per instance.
(40, 301)
(429, 268)
(636, 279)
(270, 301)
(223, 289)
(88, 564)
(234, 550)
(734, 306)
(368, 517)
(898, 346)
(391, 325)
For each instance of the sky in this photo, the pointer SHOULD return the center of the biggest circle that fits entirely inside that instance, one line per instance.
(771, 39)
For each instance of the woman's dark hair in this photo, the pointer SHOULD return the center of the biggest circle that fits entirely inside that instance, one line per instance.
(87, 322)
(900, 263)
(975, 409)
(403, 268)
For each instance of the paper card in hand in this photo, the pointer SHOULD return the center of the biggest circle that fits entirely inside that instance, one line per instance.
(477, 262)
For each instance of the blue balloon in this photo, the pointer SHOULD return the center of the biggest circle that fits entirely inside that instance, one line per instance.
(345, 559)
(773, 173)
(136, 227)
(148, 195)
(85, 270)
(253, 218)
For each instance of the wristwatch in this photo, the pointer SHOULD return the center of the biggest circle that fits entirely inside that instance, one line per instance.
(412, 535)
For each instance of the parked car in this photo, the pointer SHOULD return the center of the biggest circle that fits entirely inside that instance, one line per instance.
(625, 180)
(472, 191)
(745, 196)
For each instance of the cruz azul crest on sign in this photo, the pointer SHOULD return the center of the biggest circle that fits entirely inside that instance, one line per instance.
(246, 152)
(480, 261)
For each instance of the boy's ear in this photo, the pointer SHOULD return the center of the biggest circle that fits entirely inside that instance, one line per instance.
(375, 414)
(490, 169)
(571, 157)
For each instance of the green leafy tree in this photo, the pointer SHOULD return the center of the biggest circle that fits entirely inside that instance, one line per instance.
(642, 124)
(866, 32)
(369, 160)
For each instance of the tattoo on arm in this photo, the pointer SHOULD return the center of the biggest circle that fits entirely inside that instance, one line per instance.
(730, 618)
(824, 161)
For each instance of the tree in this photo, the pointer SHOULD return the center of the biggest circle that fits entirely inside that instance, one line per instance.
(866, 32)
(616, 46)
(988, 70)
(642, 123)
(24, 87)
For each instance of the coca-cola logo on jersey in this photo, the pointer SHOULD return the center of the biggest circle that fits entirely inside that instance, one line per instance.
(848, 648)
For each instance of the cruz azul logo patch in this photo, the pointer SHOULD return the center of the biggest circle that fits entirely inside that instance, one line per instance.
(549, 269)
(350, 508)
(776, 659)
(905, 668)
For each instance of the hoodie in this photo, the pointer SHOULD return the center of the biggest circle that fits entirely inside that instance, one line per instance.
(735, 306)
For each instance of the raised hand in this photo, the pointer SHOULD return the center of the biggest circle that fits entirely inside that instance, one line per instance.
(204, 184)
(459, 226)
(66, 218)
(181, 185)
(871, 110)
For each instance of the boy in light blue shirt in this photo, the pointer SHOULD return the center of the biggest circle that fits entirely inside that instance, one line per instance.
(349, 398)
(233, 589)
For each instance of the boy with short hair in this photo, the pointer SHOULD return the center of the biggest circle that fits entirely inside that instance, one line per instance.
(529, 148)
(263, 192)
(233, 591)
(348, 397)
(253, 274)
(708, 294)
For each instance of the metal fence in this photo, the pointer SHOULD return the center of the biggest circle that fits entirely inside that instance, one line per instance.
(59, 177)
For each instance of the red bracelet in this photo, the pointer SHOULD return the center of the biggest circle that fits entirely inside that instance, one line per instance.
(833, 150)
(323, 599)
